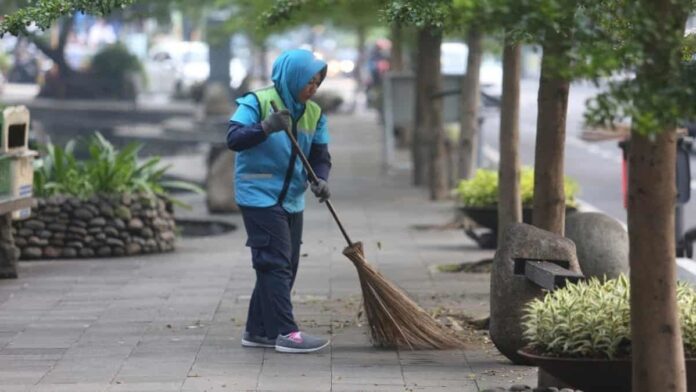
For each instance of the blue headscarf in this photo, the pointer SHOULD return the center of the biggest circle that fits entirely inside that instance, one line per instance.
(292, 70)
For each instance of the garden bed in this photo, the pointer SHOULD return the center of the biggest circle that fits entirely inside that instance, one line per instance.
(104, 225)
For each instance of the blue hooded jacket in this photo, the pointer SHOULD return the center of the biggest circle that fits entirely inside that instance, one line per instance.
(262, 162)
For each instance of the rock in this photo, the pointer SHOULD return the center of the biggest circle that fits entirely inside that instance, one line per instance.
(123, 212)
(57, 227)
(70, 253)
(95, 230)
(51, 210)
(135, 224)
(119, 224)
(91, 208)
(34, 240)
(567, 390)
(45, 234)
(147, 232)
(31, 252)
(75, 202)
(20, 242)
(51, 252)
(34, 224)
(219, 182)
(520, 387)
(168, 236)
(56, 242)
(601, 242)
(86, 252)
(115, 242)
(119, 252)
(78, 223)
(110, 231)
(133, 248)
(59, 235)
(499, 389)
(97, 222)
(126, 199)
(77, 230)
(75, 244)
(83, 214)
(545, 389)
(104, 251)
(510, 292)
(24, 232)
(106, 210)
(100, 236)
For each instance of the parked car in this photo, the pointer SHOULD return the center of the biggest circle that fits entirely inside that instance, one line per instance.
(453, 61)
(178, 68)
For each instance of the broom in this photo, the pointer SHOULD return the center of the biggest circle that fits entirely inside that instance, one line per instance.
(394, 319)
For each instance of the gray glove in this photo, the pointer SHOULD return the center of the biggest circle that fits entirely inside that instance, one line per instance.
(321, 190)
(276, 121)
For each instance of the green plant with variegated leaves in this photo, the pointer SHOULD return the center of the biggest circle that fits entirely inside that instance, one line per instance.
(482, 189)
(591, 319)
(107, 170)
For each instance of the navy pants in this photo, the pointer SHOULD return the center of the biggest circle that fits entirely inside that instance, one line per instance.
(274, 236)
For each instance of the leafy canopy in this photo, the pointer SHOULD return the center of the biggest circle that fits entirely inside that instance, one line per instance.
(44, 12)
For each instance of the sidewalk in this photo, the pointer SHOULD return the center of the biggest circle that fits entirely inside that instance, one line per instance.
(172, 322)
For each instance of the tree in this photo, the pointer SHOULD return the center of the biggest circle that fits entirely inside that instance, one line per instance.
(651, 42)
(428, 143)
(43, 13)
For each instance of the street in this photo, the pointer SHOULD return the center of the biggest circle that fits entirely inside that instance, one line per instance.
(596, 166)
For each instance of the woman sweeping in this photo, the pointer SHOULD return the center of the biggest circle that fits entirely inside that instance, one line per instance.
(269, 188)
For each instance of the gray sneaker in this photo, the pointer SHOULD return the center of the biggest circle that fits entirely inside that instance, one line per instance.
(299, 342)
(250, 340)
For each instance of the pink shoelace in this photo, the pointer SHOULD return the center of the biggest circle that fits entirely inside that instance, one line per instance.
(295, 337)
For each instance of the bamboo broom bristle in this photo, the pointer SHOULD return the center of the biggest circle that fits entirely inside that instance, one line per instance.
(395, 320)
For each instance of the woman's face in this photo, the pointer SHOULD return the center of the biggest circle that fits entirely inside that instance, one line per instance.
(311, 88)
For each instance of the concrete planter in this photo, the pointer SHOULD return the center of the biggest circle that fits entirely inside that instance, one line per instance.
(101, 226)
(597, 375)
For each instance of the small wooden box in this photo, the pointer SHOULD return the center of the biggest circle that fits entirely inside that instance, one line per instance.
(14, 132)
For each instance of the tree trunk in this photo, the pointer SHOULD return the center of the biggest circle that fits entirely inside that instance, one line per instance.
(657, 349)
(658, 355)
(439, 179)
(509, 200)
(427, 147)
(549, 195)
(360, 63)
(397, 55)
(57, 54)
(470, 102)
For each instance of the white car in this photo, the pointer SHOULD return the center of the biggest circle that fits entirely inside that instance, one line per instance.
(453, 61)
(178, 67)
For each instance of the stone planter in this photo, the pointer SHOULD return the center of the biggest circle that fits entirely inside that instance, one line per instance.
(101, 226)
(597, 375)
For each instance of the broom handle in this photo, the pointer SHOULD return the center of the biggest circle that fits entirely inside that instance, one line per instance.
(313, 178)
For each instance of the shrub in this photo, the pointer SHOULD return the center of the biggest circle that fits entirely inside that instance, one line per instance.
(107, 170)
(482, 189)
(115, 62)
(591, 319)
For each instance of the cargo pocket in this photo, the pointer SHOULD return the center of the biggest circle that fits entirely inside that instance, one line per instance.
(263, 256)
(259, 240)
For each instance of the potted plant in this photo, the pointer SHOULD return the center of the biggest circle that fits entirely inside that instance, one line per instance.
(108, 204)
(478, 199)
(580, 334)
